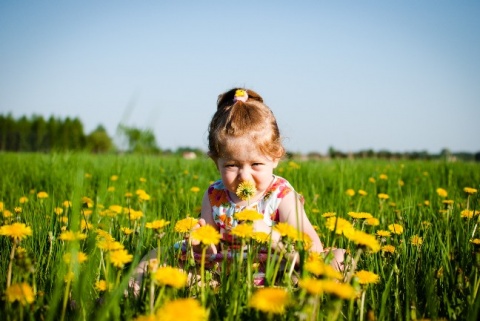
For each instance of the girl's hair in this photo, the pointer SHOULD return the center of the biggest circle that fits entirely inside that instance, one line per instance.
(248, 117)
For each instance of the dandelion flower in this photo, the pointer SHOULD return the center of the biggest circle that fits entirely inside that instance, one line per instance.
(242, 230)
(42, 195)
(23, 199)
(6, 213)
(21, 292)
(475, 241)
(16, 231)
(261, 237)
(372, 221)
(339, 225)
(126, 230)
(367, 277)
(109, 245)
(248, 215)
(383, 177)
(101, 285)
(195, 189)
(169, 276)
(350, 192)
(286, 230)
(270, 300)
(364, 239)
(157, 224)
(360, 215)
(442, 192)
(185, 225)
(383, 196)
(81, 257)
(319, 268)
(246, 190)
(383, 233)
(361, 192)
(341, 290)
(388, 248)
(114, 178)
(120, 257)
(416, 240)
(207, 235)
(311, 285)
(72, 236)
(328, 214)
(396, 228)
(470, 190)
(187, 309)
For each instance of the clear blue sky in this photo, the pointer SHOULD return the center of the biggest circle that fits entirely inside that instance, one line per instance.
(395, 75)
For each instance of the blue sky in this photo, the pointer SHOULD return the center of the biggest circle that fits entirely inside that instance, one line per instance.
(395, 75)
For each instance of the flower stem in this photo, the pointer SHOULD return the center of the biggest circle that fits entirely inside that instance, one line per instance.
(10, 264)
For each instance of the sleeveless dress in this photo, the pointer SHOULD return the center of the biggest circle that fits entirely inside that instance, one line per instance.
(224, 209)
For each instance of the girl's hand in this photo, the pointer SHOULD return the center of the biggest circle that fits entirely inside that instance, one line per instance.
(212, 249)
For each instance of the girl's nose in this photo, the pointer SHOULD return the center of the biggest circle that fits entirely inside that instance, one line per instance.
(244, 175)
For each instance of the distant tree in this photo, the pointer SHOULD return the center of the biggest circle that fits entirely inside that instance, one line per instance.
(139, 140)
(37, 134)
(98, 141)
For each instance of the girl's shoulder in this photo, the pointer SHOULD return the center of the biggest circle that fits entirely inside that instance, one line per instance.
(280, 187)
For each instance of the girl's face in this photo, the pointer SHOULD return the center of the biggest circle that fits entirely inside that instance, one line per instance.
(245, 163)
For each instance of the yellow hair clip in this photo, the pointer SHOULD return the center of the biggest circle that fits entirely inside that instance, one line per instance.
(241, 95)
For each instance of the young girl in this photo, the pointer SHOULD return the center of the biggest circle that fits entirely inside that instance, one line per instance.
(245, 144)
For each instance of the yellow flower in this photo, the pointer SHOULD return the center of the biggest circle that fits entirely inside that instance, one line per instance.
(157, 224)
(341, 290)
(383, 233)
(261, 237)
(120, 257)
(364, 239)
(187, 309)
(72, 236)
(128, 194)
(350, 192)
(361, 192)
(416, 240)
(143, 196)
(114, 178)
(88, 202)
(185, 225)
(383, 196)
(111, 189)
(67, 204)
(383, 176)
(388, 248)
(448, 202)
(126, 230)
(109, 245)
(207, 235)
(81, 257)
(23, 199)
(243, 230)
(329, 214)
(195, 189)
(311, 285)
(16, 231)
(339, 225)
(246, 190)
(286, 230)
(360, 215)
(248, 215)
(367, 277)
(317, 267)
(17, 210)
(441, 192)
(372, 221)
(7, 214)
(42, 195)
(470, 190)
(475, 241)
(167, 275)
(401, 182)
(142, 179)
(58, 210)
(396, 228)
(101, 285)
(134, 215)
(270, 300)
(371, 180)
(469, 213)
(293, 165)
(426, 203)
(21, 292)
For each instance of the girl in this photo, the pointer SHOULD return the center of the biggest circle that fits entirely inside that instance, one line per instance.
(245, 144)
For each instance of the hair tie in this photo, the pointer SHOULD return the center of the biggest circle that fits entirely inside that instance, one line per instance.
(240, 95)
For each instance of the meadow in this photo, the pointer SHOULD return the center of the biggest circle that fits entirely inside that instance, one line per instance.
(74, 226)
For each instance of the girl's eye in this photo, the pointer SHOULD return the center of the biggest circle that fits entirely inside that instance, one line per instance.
(257, 164)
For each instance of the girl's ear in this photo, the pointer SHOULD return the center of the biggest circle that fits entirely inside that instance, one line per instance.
(275, 162)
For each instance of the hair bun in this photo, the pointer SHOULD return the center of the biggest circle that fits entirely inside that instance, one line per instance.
(240, 95)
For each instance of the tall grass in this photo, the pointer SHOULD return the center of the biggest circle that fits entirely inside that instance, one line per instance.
(432, 279)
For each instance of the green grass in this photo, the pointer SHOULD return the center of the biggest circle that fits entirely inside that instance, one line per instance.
(437, 279)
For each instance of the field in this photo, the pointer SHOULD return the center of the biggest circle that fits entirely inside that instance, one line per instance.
(74, 226)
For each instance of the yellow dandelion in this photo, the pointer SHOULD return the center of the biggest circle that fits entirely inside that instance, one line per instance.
(144, 197)
(114, 178)
(372, 221)
(319, 268)
(128, 194)
(88, 202)
(185, 225)
(42, 195)
(367, 277)
(81, 257)
(448, 202)
(383, 177)
(207, 235)
(157, 224)
(169, 276)
(242, 230)
(475, 241)
(293, 165)
(109, 245)
(58, 210)
(286, 230)
(246, 190)
(350, 192)
(16, 231)
(364, 239)
(340, 290)
(21, 292)
(372, 180)
(416, 240)
(17, 210)
(101, 286)
(261, 237)
(426, 203)
(142, 180)
(339, 225)
(72, 236)
(127, 230)
(315, 210)
(383, 233)
(311, 285)
(120, 257)
(111, 189)
(23, 199)
(328, 214)
(388, 248)
(187, 309)
(442, 192)
(383, 196)
(361, 192)
(135, 215)
(7, 214)
(401, 182)
(360, 215)
(270, 300)
(395, 229)
(195, 189)
(248, 215)
(470, 190)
